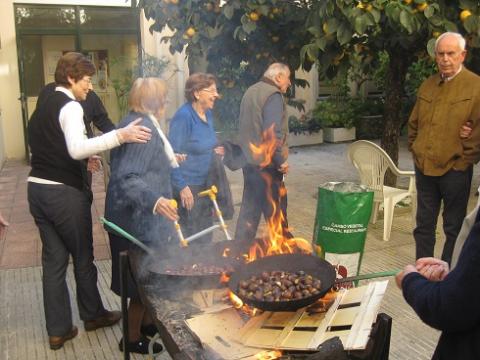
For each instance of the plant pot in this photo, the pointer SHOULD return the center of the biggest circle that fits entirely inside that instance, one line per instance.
(334, 135)
(303, 139)
(369, 127)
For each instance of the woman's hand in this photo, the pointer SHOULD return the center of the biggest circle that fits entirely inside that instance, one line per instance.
(180, 157)
(133, 133)
(187, 198)
(94, 163)
(165, 207)
(219, 150)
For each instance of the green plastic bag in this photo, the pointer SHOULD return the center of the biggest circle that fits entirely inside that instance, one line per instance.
(341, 221)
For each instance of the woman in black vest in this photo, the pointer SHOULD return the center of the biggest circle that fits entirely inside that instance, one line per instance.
(60, 198)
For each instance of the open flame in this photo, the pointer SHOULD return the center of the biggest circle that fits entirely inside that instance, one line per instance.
(268, 355)
(274, 241)
(238, 304)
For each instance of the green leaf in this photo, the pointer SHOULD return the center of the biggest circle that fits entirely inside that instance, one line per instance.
(429, 11)
(431, 47)
(471, 24)
(249, 27)
(360, 25)
(315, 31)
(344, 34)
(332, 25)
(376, 15)
(228, 11)
(450, 26)
(321, 43)
(406, 21)
(436, 21)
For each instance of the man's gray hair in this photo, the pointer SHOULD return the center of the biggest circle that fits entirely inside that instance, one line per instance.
(460, 39)
(274, 69)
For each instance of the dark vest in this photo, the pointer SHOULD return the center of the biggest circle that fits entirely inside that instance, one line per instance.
(50, 158)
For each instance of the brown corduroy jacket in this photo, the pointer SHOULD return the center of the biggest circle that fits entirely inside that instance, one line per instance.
(434, 125)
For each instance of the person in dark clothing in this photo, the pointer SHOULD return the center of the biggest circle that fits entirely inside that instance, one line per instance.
(93, 110)
(59, 198)
(139, 199)
(192, 134)
(262, 138)
(448, 301)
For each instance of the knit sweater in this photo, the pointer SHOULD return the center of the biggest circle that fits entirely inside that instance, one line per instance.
(452, 305)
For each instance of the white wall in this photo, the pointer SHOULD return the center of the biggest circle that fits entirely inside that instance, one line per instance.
(12, 134)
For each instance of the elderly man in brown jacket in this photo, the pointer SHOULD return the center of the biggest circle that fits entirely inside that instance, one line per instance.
(446, 102)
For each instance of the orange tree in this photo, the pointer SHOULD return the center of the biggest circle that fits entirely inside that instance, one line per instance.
(238, 38)
(233, 39)
(405, 29)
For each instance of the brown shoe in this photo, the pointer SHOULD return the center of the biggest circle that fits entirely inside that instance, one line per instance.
(56, 342)
(108, 319)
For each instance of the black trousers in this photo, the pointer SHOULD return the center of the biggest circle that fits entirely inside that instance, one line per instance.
(260, 187)
(199, 217)
(64, 220)
(453, 188)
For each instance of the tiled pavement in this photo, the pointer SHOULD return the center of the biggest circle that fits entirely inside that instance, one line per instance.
(22, 323)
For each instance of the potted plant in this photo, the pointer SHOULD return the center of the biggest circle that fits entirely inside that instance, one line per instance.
(369, 119)
(304, 130)
(336, 114)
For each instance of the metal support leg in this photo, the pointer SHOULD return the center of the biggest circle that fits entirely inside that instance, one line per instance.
(124, 300)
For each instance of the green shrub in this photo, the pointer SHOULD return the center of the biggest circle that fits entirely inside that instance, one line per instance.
(335, 112)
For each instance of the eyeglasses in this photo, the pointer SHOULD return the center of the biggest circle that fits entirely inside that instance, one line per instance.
(88, 80)
(212, 91)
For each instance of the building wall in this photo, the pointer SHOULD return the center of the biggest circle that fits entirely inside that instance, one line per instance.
(11, 128)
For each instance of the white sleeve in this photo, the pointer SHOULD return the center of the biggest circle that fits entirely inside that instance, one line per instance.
(78, 145)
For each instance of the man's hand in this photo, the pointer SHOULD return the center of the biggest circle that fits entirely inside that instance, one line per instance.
(187, 198)
(164, 207)
(284, 168)
(433, 269)
(94, 163)
(407, 270)
(133, 133)
(466, 130)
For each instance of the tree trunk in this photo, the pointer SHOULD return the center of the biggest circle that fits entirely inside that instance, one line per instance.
(395, 79)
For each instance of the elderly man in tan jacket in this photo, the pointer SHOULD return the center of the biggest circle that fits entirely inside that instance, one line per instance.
(446, 102)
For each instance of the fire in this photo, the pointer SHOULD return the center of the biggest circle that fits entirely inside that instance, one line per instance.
(226, 252)
(266, 149)
(238, 304)
(224, 278)
(277, 239)
(268, 355)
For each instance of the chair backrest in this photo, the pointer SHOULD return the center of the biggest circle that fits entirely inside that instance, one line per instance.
(371, 162)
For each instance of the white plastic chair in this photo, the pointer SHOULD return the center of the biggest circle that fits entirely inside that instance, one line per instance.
(372, 162)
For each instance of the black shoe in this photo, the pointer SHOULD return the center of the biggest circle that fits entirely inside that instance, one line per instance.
(141, 346)
(148, 330)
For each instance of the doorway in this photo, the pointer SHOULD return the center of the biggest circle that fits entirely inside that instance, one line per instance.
(109, 36)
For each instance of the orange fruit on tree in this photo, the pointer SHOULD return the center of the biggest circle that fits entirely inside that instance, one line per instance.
(254, 16)
(408, 2)
(275, 10)
(436, 34)
(175, 2)
(360, 5)
(325, 28)
(422, 6)
(465, 14)
(190, 32)
(369, 7)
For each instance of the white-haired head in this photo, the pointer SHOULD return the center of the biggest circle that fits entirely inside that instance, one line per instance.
(275, 69)
(460, 39)
(280, 74)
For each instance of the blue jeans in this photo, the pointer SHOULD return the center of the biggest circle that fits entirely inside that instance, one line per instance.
(453, 188)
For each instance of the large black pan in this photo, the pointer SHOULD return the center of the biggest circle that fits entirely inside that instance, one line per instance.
(206, 254)
(312, 265)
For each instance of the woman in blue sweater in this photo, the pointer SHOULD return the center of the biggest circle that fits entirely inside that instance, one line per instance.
(192, 134)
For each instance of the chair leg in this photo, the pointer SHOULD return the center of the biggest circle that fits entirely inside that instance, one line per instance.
(373, 218)
(388, 209)
(414, 210)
